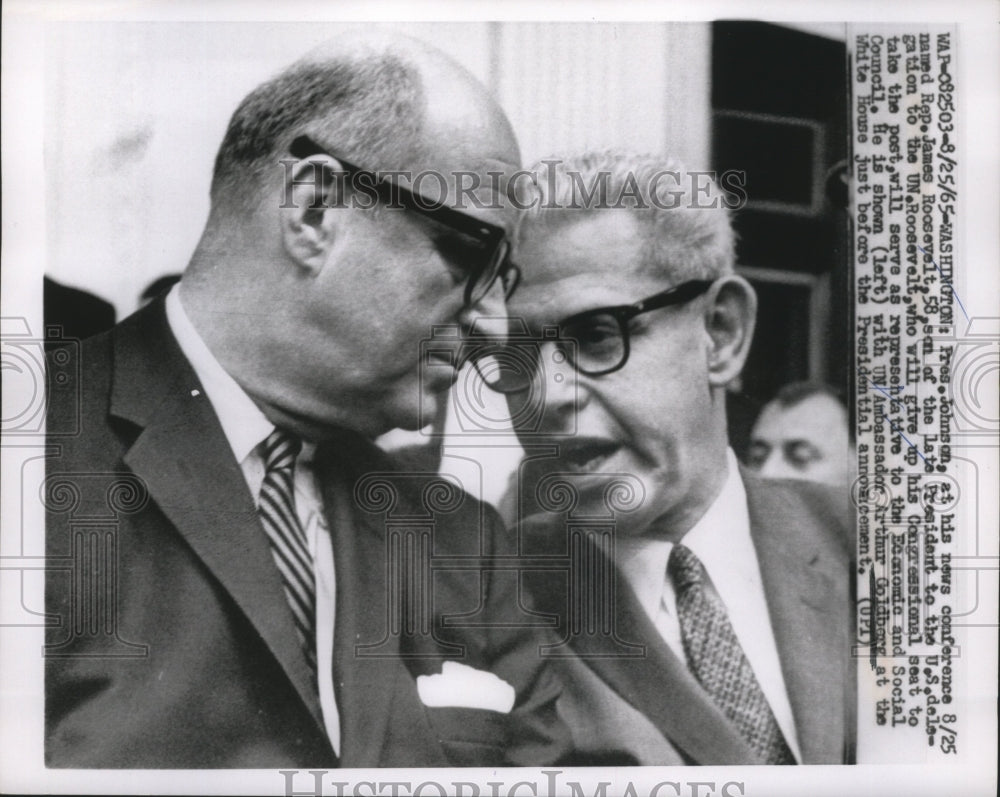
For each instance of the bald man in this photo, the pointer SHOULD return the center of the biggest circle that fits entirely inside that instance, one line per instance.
(230, 583)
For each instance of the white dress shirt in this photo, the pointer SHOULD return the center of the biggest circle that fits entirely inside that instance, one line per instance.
(721, 540)
(246, 428)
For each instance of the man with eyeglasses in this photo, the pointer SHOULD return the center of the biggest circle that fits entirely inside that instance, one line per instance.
(706, 613)
(249, 596)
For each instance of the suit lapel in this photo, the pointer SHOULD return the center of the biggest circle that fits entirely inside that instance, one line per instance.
(186, 462)
(657, 683)
(365, 684)
(800, 584)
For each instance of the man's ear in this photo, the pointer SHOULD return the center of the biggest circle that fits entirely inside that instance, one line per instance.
(308, 215)
(730, 316)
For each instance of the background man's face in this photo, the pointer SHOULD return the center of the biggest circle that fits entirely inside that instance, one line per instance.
(648, 419)
(807, 440)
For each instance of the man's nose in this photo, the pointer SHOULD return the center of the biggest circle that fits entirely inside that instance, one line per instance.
(548, 406)
(562, 394)
(775, 467)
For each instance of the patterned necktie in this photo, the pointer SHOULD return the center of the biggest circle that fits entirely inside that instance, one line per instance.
(288, 539)
(715, 657)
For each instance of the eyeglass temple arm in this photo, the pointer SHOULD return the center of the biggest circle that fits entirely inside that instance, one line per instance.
(682, 293)
(304, 147)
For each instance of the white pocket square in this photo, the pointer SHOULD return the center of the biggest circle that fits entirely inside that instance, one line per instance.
(460, 685)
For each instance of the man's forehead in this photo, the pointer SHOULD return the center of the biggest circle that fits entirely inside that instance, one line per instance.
(563, 241)
(583, 261)
(551, 297)
(814, 417)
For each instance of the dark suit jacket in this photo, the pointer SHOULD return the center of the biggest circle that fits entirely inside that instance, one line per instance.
(171, 642)
(629, 699)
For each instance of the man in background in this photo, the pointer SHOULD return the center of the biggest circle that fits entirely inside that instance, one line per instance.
(242, 603)
(708, 610)
(802, 434)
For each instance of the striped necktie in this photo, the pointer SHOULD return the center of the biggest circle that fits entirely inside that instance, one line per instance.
(717, 660)
(288, 539)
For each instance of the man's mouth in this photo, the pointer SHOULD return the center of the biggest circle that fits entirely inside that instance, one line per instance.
(585, 454)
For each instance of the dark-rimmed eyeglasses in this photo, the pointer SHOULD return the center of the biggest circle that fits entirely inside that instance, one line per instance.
(595, 342)
(483, 248)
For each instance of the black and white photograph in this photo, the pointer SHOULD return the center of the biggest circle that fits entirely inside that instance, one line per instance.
(456, 400)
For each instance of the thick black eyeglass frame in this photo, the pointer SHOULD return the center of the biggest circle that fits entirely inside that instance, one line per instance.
(489, 235)
(622, 313)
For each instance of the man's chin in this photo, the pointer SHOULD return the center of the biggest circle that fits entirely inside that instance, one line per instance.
(562, 493)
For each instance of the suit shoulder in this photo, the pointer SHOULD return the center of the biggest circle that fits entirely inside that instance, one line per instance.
(820, 497)
(76, 367)
(78, 389)
(819, 509)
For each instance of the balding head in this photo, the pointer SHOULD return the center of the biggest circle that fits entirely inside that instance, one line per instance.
(386, 101)
(317, 306)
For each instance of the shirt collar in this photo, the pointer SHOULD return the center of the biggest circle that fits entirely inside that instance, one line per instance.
(244, 425)
(720, 539)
